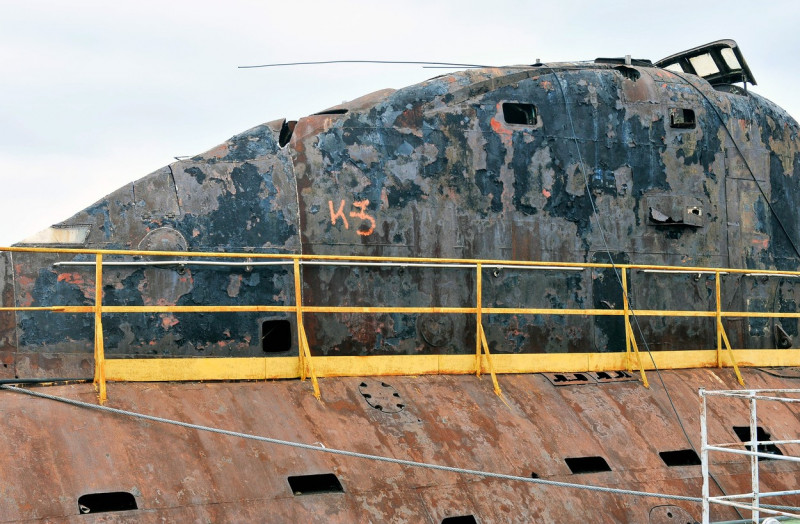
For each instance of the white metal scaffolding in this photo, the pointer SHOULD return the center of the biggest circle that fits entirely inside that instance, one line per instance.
(753, 448)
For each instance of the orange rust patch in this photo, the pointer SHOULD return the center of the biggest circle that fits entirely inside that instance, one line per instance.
(546, 193)
(72, 278)
(168, 320)
(219, 151)
(500, 129)
(77, 280)
(762, 243)
(24, 281)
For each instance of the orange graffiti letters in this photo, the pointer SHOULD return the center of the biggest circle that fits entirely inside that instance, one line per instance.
(338, 214)
(368, 225)
(362, 205)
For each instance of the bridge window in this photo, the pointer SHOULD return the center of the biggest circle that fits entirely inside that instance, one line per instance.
(519, 114)
(704, 65)
(681, 118)
(730, 58)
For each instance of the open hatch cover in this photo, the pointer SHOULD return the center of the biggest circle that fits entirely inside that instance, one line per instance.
(719, 63)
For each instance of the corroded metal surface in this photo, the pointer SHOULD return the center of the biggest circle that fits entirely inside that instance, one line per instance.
(499, 163)
(8, 331)
(446, 168)
(185, 475)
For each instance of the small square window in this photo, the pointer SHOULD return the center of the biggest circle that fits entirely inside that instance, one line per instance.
(276, 336)
(681, 118)
(519, 114)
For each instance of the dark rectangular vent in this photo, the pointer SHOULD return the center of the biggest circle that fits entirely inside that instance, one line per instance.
(743, 432)
(319, 483)
(276, 336)
(612, 376)
(519, 114)
(681, 457)
(681, 118)
(570, 379)
(105, 502)
(462, 519)
(579, 465)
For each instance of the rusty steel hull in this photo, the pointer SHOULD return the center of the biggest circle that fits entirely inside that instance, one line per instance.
(57, 453)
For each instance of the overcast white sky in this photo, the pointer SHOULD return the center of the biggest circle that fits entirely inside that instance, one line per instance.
(95, 94)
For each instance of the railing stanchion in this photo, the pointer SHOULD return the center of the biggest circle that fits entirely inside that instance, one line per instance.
(302, 340)
(480, 336)
(478, 318)
(719, 318)
(99, 350)
(627, 318)
(630, 338)
(722, 336)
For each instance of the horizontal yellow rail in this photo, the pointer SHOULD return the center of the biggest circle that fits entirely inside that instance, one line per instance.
(268, 368)
(488, 263)
(408, 310)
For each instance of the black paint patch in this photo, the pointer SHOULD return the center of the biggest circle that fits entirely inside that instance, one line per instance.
(489, 184)
(607, 294)
(246, 218)
(197, 173)
(39, 328)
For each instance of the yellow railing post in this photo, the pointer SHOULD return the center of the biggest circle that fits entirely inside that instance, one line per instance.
(721, 335)
(626, 307)
(629, 333)
(480, 336)
(302, 341)
(497, 390)
(718, 309)
(479, 317)
(99, 351)
(630, 338)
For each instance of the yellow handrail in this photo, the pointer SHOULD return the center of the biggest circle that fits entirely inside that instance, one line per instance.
(306, 366)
